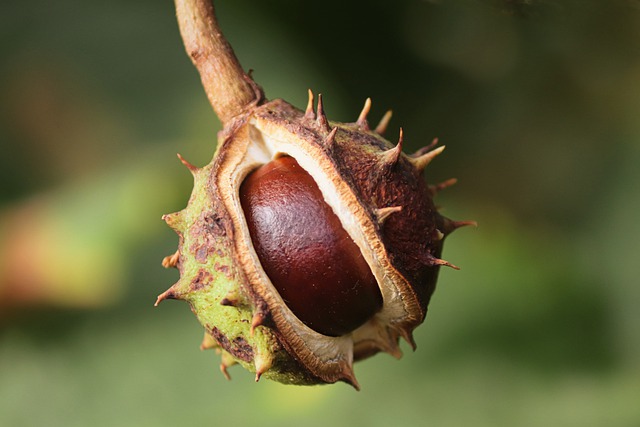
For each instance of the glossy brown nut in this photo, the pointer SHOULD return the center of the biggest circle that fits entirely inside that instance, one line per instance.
(311, 260)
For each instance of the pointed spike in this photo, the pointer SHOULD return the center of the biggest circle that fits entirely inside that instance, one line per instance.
(225, 372)
(362, 118)
(173, 220)
(377, 336)
(231, 299)
(228, 302)
(168, 294)
(421, 162)
(257, 320)
(436, 188)
(234, 299)
(350, 377)
(458, 224)
(437, 261)
(408, 337)
(391, 344)
(171, 260)
(439, 235)
(193, 169)
(321, 119)
(262, 364)
(451, 225)
(208, 342)
(395, 352)
(226, 361)
(331, 138)
(384, 122)
(383, 213)
(426, 148)
(373, 346)
(391, 156)
(169, 218)
(310, 114)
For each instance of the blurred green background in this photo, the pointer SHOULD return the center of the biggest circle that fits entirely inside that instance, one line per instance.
(538, 103)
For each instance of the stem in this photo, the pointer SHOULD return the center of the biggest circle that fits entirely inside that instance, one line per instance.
(229, 89)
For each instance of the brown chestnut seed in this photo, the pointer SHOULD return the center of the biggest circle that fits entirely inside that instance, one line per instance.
(311, 260)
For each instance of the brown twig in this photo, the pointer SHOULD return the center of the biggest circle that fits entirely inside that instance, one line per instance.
(229, 89)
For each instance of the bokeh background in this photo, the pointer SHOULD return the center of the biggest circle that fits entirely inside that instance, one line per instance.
(538, 103)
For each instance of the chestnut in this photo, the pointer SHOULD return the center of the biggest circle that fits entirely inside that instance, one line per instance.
(313, 263)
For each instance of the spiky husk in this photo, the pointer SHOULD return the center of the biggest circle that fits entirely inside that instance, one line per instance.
(382, 201)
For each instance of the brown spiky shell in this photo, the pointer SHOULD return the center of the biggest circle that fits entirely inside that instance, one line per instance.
(383, 202)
